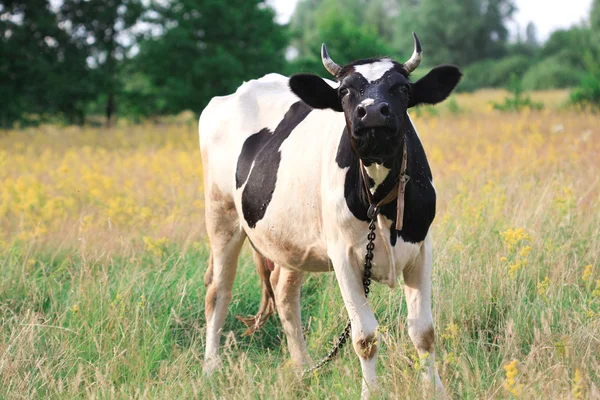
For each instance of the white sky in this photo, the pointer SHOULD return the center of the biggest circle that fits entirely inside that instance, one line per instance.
(548, 15)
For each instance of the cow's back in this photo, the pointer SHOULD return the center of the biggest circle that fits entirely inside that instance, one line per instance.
(264, 149)
(227, 121)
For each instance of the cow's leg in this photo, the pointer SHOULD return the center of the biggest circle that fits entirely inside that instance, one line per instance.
(288, 286)
(226, 238)
(364, 325)
(264, 267)
(417, 287)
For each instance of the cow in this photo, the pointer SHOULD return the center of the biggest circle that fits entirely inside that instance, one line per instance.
(294, 165)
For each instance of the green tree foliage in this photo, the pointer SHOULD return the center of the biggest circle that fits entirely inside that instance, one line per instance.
(101, 27)
(465, 31)
(595, 16)
(346, 37)
(569, 46)
(206, 49)
(531, 36)
(587, 93)
(388, 25)
(42, 72)
(493, 73)
(68, 58)
(595, 27)
(551, 73)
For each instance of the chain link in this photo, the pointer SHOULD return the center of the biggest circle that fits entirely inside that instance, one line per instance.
(366, 283)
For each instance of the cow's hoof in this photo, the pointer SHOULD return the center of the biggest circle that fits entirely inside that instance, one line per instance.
(369, 392)
(433, 387)
(212, 365)
(296, 366)
(302, 364)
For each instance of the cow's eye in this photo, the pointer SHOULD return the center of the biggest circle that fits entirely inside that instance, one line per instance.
(343, 92)
(399, 88)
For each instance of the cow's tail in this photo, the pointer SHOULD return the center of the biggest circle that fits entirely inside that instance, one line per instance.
(264, 267)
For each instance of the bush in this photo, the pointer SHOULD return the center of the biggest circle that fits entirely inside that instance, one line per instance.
(587, 93)
(519, 100)
(475, 76)
(453, 106)
(551, 73)
(566, 46)
(493, 73)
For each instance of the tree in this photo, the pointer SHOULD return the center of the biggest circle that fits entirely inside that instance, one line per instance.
(531, 35)
(595, 23)
(347, 35)
(102, 28)
(569, 46)
(461, 32)
(587, 93)
(39, 65)
(205, 49)
(464, 31)
(595, 16)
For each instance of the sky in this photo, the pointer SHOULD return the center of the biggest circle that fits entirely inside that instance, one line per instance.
(548, 15)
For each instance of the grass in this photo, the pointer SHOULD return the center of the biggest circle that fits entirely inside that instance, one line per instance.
(102, 256)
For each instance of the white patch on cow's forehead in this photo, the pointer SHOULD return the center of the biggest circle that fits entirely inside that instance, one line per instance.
(374, 71)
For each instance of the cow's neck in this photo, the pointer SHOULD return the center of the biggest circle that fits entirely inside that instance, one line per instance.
(382, 177)
(378, 173)
(420, 195)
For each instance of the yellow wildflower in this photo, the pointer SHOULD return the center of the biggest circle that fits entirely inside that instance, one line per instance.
(451, 331)
(510, 384)
(525, 251)
(116, 300)
(449, 358)
(577, 387)
(560, 347)
(63, 169)
(542, 288)
(142, 303)
(587, 272)
(514, 268)
(155, 246)
(513, 237)
(596, 292)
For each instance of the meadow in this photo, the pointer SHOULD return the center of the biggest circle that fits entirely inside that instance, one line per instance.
(103, 253)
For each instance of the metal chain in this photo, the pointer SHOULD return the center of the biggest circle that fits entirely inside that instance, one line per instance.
(372, 213)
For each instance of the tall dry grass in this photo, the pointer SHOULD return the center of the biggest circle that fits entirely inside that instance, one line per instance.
(102, 254)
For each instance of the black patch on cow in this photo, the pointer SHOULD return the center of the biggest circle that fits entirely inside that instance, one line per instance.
(420, 197)
(251, 147)
(262, 149)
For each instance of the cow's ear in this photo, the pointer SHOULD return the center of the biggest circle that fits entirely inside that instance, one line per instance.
(315, 92)
(436, 86)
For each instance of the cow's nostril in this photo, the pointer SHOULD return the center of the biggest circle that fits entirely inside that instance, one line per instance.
(361, 112)
(384, 109)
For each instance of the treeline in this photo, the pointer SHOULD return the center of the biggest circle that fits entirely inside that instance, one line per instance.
(72, 59)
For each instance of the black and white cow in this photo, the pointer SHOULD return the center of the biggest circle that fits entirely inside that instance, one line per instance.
(281, 161)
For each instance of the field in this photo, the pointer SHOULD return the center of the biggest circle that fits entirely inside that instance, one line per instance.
(102, 257)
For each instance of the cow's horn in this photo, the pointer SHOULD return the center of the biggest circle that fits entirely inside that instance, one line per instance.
(330, 66)
(416, 57)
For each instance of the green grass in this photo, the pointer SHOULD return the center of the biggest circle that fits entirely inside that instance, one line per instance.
(101, 273)
(132, 325)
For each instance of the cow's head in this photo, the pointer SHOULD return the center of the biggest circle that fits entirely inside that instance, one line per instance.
(374, 95)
